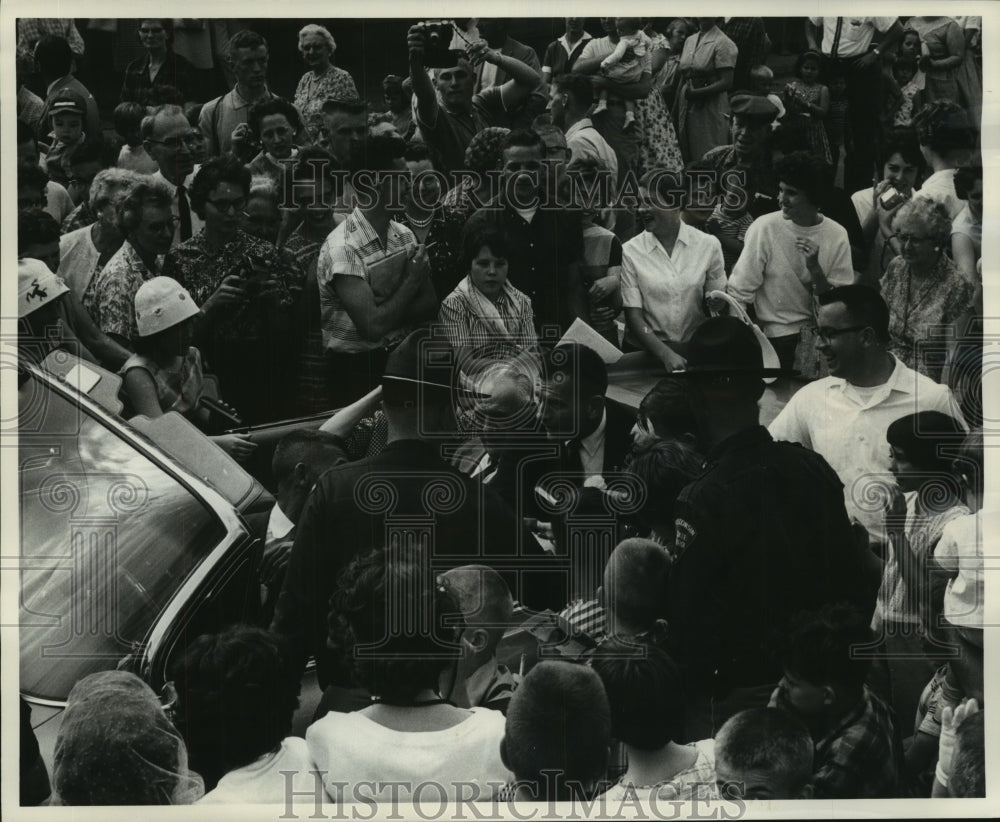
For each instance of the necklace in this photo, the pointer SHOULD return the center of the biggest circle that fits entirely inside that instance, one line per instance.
(421, 222)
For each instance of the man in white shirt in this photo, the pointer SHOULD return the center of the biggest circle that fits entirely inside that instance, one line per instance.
(854, 47)
(168, 139)
(570, 98)
(844, 417)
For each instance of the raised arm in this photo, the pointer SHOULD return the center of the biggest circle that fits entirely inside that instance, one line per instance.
(523, 78)
(423, 88)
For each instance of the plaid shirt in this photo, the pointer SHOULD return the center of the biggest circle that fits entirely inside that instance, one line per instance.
(466, 328)
(31, 29)
(860, 757)
(349, 251)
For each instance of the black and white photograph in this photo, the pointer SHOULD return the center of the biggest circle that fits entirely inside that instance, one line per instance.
(514, 417)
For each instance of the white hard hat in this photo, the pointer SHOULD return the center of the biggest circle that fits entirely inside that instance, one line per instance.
(36, 286)
(161, 303)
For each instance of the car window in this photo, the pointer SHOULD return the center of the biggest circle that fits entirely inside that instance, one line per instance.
(107, 538)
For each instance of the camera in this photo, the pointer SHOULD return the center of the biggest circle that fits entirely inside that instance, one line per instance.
(437, 44)
(891, 197)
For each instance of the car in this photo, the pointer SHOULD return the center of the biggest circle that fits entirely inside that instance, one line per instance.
(134, 538)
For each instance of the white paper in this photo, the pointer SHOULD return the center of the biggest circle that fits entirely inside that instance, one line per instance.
(582, 333)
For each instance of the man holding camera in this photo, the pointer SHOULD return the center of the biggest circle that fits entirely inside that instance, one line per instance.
(449, 125)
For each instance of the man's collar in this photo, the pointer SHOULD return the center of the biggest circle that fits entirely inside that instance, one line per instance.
(593, 440)
(569, 47)
(278, 524)
(901, 379)
(239, 101)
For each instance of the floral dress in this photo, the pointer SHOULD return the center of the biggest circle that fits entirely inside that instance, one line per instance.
(250, 344)
(312, 91)
(813, 126)
(659, 147)
(918, 306)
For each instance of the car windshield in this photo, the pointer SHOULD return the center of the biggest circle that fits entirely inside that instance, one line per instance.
(107, 538)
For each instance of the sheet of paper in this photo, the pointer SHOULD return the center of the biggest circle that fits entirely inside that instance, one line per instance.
(582, 333)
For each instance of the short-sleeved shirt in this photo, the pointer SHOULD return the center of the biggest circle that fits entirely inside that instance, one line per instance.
(940, 187)
(350, 250)
(220, 116)
(848, 430)
(856, 33)
(586, 143)
(78, 260)
(961, 551)
(560, 56)
(670, 289)
(111, 297)
(967, 225)
(450, 134)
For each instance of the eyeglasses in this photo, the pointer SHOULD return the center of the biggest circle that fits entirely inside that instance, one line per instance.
(167, 225)
(830, 334)
(226, 206)
(177, 143)
(912, 238)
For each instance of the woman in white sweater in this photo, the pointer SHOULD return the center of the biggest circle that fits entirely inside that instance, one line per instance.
(790, 256)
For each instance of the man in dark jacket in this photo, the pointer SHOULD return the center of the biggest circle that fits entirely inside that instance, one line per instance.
(760, 535)
(408, 493)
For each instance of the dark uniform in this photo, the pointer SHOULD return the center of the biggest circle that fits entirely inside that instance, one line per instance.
(761, 535)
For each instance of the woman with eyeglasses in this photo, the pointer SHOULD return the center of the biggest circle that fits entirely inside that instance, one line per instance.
(248, 291)
(925, 291)
(160, 75)
(323, 81)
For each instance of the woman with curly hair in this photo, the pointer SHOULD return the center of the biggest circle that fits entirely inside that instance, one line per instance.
(323, 81)
(235, 702)
(412, 732)
(923, 288)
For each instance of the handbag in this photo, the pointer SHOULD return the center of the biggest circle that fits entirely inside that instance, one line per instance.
(809, 362)
(768, 354)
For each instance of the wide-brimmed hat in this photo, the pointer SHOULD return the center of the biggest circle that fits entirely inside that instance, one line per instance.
(161, 303)
(726, 346)
(423, 365)
(36, 286)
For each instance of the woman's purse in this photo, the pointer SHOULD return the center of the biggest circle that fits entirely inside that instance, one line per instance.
(768, 354)
(809, 362)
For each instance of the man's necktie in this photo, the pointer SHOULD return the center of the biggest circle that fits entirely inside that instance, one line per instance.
(184, 212)
(836, 37)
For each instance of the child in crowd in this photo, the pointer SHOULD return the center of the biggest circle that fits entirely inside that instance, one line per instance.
(761, 78)
(199, 148)
(665, 413)
(729, 222)
(644, 692)
(66, 116)
(764, 753)
(127, 120)
(856, 753)
(557, 734)
(625, 63)
(904, 96)
(808, 103)
(488, 608)
(630, 600)
(235, 701)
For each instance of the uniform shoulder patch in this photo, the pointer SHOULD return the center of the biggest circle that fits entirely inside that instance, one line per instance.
(684, 535)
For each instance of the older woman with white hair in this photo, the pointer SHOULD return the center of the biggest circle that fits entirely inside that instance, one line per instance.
(925, 291)
(323, 81)
(84, 252)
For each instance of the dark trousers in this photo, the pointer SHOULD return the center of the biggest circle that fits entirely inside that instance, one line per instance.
(351, 376)
(864, 96)
(785, 347)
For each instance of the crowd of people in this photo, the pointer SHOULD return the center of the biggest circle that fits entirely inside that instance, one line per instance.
(738, 611)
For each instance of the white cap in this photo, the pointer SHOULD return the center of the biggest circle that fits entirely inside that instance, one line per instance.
(36, 286)
(161, 303)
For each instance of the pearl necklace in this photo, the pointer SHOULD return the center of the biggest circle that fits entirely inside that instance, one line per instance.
(420, 223)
